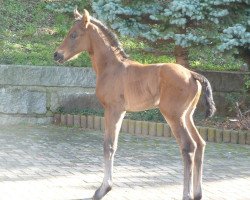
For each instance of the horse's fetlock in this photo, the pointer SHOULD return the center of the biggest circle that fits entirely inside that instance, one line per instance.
(109, 150)
(187, 198)
(109, 188)
(109, 147)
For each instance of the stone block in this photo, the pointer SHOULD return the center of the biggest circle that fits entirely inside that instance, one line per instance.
(47, 76)
(152, 128)
(242, 137)
(83, 121)
(159, 129)
(102, 124)
(144, 128)
(97, 123)
(218, 135)
(234, 137)
(57, 119)
(77, 120)
(167, 130)
(90, 122)
(210, 134)
(124, 127)
(63, 119)
(22, 101)
(70, 120)
(131, 126)
(226, 136)
(138, 125)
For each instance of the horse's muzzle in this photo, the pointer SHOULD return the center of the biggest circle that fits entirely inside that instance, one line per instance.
(58, 57)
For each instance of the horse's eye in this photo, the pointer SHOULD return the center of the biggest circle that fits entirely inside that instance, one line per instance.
(73, 35)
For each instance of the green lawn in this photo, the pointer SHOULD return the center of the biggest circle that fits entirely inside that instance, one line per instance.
(32, 30)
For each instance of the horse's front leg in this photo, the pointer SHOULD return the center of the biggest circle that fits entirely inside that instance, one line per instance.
(113, 119)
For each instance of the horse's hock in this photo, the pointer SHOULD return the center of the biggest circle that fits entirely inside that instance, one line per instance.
(32, 94)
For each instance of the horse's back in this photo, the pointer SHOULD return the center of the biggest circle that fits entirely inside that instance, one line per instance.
(160, 73)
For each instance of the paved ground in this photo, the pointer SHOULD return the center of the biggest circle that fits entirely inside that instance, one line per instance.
(48, 163)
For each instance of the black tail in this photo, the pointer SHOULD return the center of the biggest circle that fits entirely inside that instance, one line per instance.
(209, 101)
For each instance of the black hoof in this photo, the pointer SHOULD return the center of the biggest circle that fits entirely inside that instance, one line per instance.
(101, 192)
(198, 197)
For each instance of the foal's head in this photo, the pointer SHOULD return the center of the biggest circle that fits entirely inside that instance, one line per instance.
(77, 39)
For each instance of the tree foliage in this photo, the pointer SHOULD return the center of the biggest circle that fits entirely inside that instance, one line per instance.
(236, 35)
(183, 22)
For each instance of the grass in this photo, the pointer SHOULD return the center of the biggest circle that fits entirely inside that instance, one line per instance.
(30, 34)
(32, 30)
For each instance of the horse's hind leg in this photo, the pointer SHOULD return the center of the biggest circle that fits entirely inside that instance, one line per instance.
(199, 154)
(187, 146)
(113, 120)
(198, 160)
(174, 103)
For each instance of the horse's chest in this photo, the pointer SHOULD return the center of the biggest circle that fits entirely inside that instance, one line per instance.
(110, 91)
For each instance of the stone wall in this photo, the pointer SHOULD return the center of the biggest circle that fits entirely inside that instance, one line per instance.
(32, 94)
(228, 87)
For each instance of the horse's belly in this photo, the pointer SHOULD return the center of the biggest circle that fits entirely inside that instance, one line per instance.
(141, 89)
(138, 108)
(140, 102)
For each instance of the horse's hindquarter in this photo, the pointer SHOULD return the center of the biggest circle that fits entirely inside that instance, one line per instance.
(178, 87)
(141, 87)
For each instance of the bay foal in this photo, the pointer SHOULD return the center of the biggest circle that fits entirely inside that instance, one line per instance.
(125, 85)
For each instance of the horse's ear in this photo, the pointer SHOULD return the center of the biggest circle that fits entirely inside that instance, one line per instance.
(77, 15)
(86, 18)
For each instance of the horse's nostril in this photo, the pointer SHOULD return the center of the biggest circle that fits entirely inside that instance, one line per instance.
(55, 55)
(58, 56)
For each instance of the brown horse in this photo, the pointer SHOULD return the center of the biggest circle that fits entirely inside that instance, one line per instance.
(125, 85)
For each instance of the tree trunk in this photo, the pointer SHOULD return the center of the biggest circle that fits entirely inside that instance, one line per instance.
(244, 53)
(181, 55)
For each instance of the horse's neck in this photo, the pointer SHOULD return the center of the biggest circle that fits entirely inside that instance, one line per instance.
(102, 56)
